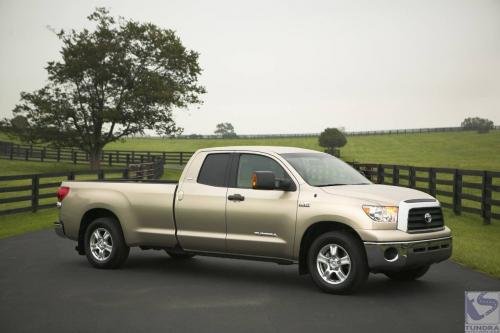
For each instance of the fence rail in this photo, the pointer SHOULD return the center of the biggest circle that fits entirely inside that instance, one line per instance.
(471, 191)
(23, 193)
(12, 151)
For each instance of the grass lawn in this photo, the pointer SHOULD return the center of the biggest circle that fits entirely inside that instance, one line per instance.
(470, 236)
(466, 150)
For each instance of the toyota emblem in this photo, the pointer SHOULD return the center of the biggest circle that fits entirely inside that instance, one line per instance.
(428, 218)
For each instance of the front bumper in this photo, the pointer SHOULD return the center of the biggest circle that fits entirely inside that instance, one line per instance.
(394, 256)
(59, 229)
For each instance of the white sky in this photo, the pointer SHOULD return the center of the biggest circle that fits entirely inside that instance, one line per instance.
(296, 66)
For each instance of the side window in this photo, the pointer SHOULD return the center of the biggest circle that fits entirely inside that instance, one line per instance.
(250, 163)
(214, 169)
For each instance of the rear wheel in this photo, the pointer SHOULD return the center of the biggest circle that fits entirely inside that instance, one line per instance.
(105, 245)
(409, 274)
(337, 262)
(180, 256)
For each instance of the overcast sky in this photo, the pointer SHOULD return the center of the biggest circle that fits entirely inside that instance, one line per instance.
(296, 66)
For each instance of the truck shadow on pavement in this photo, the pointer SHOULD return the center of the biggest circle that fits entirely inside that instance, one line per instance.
(251, 274)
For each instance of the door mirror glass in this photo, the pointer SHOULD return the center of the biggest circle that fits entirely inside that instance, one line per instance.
(263, 180)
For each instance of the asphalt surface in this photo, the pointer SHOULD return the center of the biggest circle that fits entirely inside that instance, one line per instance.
(46, 287)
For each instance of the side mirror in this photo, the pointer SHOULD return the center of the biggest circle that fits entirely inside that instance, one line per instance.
(266, 180)
(263, 180)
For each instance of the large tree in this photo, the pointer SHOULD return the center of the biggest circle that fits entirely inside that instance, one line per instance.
(121, 78)
(226, 130)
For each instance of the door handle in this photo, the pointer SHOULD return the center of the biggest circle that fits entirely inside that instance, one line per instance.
(236, 197)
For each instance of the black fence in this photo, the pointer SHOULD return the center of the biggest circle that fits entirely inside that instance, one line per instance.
(23, 193)
(471, 191)
(12, 151)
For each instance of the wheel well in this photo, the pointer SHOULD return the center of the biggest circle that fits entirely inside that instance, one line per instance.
(312, 233)
(88, 217)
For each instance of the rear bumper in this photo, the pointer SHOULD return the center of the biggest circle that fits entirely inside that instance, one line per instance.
(59, 229)
(393, 256)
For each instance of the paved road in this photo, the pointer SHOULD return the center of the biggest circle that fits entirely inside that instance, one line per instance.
(46, 287)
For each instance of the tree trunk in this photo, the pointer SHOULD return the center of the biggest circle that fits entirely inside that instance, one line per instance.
(95, 159)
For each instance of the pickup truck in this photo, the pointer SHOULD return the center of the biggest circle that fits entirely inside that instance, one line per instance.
(278, 204)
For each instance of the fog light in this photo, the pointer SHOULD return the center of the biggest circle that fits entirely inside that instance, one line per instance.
(391, 254)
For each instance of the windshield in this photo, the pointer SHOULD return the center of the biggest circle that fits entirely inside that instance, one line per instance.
(320, 169)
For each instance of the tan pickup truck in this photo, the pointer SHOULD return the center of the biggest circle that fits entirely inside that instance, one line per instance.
(278, 204)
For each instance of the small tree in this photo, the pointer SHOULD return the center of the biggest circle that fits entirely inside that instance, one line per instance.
(226, 130)
(121, 79)
(481, 125)
(331, 139)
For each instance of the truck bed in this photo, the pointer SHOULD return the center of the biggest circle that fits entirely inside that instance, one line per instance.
(144, 209)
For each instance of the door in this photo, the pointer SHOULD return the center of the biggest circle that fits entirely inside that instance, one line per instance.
(200, 205)
(259, 222)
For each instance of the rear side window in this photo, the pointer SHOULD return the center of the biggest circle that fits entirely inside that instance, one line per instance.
(214, 169)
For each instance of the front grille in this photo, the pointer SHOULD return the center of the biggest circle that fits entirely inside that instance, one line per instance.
(417, 221)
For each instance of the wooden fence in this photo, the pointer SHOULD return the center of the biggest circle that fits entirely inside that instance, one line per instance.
(22, 193)
(12, 151)
(471, 191)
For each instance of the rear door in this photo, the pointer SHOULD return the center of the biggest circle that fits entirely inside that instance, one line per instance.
(201, 203)
(259, 222)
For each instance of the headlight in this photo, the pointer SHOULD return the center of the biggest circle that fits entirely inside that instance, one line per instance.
(382, 213)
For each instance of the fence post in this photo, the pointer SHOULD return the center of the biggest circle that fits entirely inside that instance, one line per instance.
(380, 174)
(26, 154)
(58, 154)
(128, 159)
(100, 174)
(163, 156)
(181, 158)
(117, 157)
(11, 154)
(457, 192)
(412, 175)
(35, 187)
(42, 154)
(133, 157)
(110, 159)
(75, 157)
(432, 182)
(395, 175)
(486, 197)
(71, 175)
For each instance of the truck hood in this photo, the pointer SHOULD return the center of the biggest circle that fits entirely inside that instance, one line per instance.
(377, 194)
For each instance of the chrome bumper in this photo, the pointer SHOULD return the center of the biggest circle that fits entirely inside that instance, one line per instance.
(59, 229)
(389, 256)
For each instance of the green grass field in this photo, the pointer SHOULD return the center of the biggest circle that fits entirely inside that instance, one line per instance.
(466, 150)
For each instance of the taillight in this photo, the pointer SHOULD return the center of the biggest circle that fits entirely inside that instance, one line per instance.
(62, 192)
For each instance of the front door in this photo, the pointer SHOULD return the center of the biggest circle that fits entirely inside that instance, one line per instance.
(259, 222)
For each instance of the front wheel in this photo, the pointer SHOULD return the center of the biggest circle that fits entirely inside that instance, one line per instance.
(337, 262)
(409, 274)
(105, 245)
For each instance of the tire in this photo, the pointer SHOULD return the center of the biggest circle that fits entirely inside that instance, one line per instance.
(337, 276)
(112, 252)
(180, 256)
(409, 274)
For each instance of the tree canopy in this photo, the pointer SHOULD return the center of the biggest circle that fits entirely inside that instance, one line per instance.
(332, 139)
(122, 78)
(226, 130)
(481, 125)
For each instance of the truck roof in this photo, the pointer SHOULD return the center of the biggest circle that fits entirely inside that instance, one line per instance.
(264, 149)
